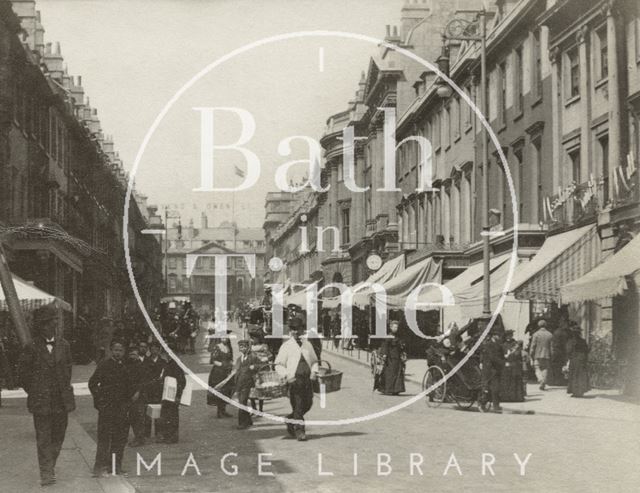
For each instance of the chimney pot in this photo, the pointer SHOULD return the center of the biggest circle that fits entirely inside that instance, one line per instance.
(388, 27)
(57, 47)
(79, 81)
(395, 31)
(48, 49)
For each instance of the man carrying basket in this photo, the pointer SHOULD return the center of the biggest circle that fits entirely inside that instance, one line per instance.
(297, 362)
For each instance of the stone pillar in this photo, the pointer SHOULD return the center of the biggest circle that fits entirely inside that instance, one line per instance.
(613, 87)
(556, 115)
(582, 37)
(358, 219)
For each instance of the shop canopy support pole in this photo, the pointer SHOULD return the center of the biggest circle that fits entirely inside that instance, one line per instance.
(13, 303)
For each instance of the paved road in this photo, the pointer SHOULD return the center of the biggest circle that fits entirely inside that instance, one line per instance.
(567, 454)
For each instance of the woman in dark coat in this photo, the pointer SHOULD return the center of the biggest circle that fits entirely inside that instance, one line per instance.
(222, 360)
(578, 352)
(511, 386)
(392, 352)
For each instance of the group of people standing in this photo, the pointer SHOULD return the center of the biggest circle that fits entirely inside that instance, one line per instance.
(296, 362)
(561, 356)
(122, 386)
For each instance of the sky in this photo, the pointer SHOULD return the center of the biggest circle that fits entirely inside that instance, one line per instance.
(134, 55)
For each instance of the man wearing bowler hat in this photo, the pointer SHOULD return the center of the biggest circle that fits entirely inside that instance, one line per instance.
(45, 373)
(298, 363)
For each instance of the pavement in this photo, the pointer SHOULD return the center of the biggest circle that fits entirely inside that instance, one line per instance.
(597, 404)
(568, 449)
(19, 463)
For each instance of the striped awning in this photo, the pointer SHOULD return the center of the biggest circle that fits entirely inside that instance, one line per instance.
(561, 259)
(608, 279)
(31, 297)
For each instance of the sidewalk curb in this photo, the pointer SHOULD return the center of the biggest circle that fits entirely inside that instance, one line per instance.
(363, 363)
(86, 448)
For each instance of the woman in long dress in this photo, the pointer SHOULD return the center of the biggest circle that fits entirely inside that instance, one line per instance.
(511, 386)
(222, 360)
(394, 358)
(578, 353)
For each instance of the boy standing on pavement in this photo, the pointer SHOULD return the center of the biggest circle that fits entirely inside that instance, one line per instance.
(152, 389)
(170, 411)
(137, 407)
(246, 368)
(112, 395)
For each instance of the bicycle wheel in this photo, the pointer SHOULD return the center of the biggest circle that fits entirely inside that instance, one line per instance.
(463, 395)
(433, 375)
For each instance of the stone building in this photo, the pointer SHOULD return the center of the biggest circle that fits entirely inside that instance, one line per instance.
(62, 185)
(594, 49)
(199, 285)
(564, 103)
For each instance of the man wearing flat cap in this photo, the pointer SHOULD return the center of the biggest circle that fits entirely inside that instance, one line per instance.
(45, 373)
(298, 363)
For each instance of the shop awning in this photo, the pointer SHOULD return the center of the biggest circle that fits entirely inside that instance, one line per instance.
(561, 259)
(32, 298)
(608, 279)
(389, 270)
(469, 302)
(461, 282)
(298, 298)
(400, 286)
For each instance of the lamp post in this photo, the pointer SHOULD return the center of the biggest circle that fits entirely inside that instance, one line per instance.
(460, 29)
(167, 216)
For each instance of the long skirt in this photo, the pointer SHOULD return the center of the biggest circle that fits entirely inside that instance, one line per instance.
(217, 375)
(578, 377)
(392, 381)
(511, 387)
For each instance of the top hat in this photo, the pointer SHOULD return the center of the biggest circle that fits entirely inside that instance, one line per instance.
(244, 342)
(44, 314)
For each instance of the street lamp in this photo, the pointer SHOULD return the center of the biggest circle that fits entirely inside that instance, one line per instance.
(460, 29)
(167, 215)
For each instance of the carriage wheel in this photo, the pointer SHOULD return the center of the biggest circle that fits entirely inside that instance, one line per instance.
(436, 397)
(464, 396)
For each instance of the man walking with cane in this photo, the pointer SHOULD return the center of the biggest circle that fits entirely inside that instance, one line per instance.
(45, 374)
(298, 363)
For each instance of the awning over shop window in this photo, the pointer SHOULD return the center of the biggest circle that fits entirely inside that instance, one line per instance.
(32, 298)
(389, 270)
(561, 259)
(400, 286)
(461, 282)
(469, 302)
(299, 298)
(608, 279)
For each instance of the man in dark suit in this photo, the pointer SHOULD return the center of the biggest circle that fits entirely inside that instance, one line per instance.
(491, 365)
(246, 367)
(45, 374)
(112, 396)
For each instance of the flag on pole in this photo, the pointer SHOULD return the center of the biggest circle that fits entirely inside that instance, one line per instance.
(238, 171)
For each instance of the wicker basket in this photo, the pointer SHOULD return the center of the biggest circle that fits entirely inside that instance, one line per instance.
(269, 384)
(332, 379)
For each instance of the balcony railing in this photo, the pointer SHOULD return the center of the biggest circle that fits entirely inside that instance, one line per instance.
(575, 204)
